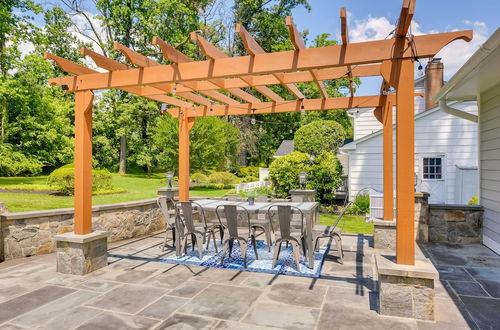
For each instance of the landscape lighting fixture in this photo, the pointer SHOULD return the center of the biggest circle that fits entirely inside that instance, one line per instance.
(303, 179)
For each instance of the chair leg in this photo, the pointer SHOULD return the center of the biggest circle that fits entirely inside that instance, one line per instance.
(268, 239)
(193, 241)
(276, 251)
(221, 231)
(173, 236)
(338, 243)
(165, 240)
(296, 253)
(231, 242)
(224, 250)
(215, 242)
(304, 247)
(243, 247)
(254, 243)
(199, 243)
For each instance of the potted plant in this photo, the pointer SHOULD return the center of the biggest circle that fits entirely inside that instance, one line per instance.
(251, 197)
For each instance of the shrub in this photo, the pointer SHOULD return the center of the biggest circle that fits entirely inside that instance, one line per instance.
(250, 179)
(361, 205)
(474, 200)
(199, 177)
(63, 180)
(245, 171)
(14, 163)
(318, 136)
(324, 174)
(225, 178)
(215, 186)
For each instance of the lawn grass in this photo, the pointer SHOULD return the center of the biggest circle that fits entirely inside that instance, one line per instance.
(354, 224)
(137, 186)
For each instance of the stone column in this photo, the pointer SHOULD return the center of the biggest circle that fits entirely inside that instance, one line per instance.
(384, 235)
(300, 196)
(172, 193)
(406, 291)
(81, 254)
(422, 216)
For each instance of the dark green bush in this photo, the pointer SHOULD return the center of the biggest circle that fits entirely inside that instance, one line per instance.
(14, 163)
(324, 173)
(224, 178)
(361, 205)
(63, 180)
(319, 136)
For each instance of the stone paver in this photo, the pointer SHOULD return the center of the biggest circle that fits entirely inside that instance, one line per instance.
(142, 293)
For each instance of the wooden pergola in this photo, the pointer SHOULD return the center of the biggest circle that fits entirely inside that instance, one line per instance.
(193, 89)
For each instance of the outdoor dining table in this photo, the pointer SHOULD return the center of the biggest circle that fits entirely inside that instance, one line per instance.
(309, 209)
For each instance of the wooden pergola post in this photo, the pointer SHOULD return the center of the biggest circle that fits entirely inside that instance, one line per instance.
(83, 162)
(185, 125)
(387, 160)
(405, 163)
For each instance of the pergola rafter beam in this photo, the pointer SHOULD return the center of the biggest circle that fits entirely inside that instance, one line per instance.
(345, 40)
(254, 48)
(214, 53)
(280, 107)
(298, 44)
(175, 56)
(143, 61)
(287, 61)
(77, 69)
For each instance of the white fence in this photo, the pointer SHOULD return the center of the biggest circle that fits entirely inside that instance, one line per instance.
(377, 205)
(247, 186)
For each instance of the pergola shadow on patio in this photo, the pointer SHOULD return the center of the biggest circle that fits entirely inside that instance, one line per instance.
(137, 292)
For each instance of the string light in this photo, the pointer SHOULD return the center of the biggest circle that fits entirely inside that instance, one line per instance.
(253, 121)
(211, 108)
(194, 108)
(260, 129)
(174, 90)
(302, 109)
(420, 71)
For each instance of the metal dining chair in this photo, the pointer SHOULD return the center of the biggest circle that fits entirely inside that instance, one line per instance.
(186, 227)
(230, 214)
(167, 208)
(287, 235)
(333, 231)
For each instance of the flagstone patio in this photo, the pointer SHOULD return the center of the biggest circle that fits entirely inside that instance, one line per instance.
(141, 293)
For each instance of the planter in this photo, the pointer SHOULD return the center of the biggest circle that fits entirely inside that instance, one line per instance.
(251, 200)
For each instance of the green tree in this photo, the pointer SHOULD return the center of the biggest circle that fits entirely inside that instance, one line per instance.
(324, 174)
(213, 144)
(318, 136)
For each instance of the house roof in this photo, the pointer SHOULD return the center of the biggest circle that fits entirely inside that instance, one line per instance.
(478, 74)
(285, 148)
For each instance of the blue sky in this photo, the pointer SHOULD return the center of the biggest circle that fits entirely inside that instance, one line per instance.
(374, 19)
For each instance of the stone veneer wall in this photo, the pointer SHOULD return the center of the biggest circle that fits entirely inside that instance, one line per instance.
(455, 223)
(25, 234)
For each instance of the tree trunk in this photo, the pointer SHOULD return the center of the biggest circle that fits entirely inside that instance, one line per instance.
(123, 155)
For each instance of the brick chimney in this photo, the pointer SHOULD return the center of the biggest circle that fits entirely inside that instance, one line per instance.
(433, 81)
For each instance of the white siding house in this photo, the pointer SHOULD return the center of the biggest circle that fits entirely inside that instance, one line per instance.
(445, 157)
(479, 79)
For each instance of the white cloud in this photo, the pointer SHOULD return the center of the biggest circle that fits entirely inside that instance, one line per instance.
(453, 55)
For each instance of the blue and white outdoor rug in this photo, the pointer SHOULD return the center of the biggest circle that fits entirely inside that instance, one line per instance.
(285, 264)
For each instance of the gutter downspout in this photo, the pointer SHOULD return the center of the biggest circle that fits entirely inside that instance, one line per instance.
(457, 113)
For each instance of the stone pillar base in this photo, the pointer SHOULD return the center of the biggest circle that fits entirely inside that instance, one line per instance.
(384, 235)
(300, 196)
(406, 291)
(81, 254)
(172, 193)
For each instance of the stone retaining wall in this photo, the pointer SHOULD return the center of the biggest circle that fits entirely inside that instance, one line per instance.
(25, 234)
(455, 223)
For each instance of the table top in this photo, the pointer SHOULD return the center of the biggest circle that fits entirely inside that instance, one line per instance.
(257, 207)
